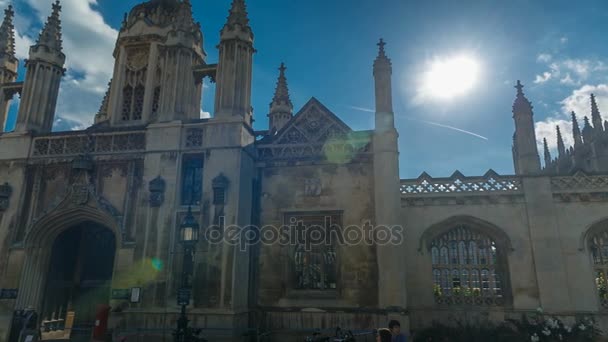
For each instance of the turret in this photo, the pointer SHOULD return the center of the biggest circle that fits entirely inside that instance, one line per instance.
(8, 62)
(525, 153)
(44, 70)
(233, 79)
(386, 183)
(281, 107)
(158, 46)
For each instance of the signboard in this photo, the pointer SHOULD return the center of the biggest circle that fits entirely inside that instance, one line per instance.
(183, 296)
(135, 294)
(8, 293)
(121, 294)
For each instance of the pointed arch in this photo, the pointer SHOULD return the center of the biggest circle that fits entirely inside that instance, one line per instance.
(474, 223)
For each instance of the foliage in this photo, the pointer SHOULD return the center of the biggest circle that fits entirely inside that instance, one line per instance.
(538, 328)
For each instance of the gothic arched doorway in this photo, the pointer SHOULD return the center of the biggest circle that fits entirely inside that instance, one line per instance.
(80, 273)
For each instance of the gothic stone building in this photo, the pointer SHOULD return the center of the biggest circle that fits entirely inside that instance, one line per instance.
(87, 216)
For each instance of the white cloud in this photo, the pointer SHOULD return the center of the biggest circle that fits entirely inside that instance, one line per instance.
(579, 102)
(544, 58)
(88, 43)
(547, 130)
(569, 71)
(543, 78)
(205, 115)
(563, 40)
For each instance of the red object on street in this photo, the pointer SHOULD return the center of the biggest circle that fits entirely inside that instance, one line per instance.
(101, 322)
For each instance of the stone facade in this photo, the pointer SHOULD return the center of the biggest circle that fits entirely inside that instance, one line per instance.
(487, 247)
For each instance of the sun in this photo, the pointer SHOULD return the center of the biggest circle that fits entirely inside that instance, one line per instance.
(448, 78)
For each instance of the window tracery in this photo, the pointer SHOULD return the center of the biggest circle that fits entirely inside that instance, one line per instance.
(467, 268)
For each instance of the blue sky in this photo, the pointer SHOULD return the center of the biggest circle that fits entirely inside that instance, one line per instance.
(555, 47)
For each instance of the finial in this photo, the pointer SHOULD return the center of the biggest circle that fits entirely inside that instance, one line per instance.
(282, 68)
(381, 44)
(519, 87)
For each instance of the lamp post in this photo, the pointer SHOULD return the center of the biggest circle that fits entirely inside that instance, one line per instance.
(188, 237)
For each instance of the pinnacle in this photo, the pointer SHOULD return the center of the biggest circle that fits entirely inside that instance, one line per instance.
(281, 95)
(560, 142)
(576, 131)
(547, 153)
(7, 34)
(51, 33)
(238, 16)
(596, 117)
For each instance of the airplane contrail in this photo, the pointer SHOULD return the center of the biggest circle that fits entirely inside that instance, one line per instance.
(428, 123)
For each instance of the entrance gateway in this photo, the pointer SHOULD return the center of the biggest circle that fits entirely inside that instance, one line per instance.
(79, 275)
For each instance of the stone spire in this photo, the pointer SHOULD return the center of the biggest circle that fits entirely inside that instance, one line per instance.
(526, 158)
(7, 35)
(547, 153)
(281, 107)
(561, 148)
(51, 33)
(596, 117)
(576, 131)
(587, 131)
(237, 19)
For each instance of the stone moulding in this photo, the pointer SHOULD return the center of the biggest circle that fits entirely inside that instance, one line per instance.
(101, 143)
(580, 187)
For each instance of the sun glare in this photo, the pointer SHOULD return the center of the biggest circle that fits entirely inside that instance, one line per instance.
(451, 77)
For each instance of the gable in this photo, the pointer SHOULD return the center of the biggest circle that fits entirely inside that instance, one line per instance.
(315, 133)
(314, 124)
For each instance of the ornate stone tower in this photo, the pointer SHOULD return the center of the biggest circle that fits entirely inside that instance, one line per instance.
(233, 90)
(525, 152)
(158, 45)
(44, 70)
(391, 289)
(281, 108)
(8, 62)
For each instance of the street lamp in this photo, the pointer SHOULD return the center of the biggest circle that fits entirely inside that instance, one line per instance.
(188, 237)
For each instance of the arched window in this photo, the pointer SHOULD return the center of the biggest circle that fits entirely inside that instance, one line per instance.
(598, 245)
(314, 264)
(468, 269)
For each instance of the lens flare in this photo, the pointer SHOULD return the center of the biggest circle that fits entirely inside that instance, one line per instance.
(451, 77)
